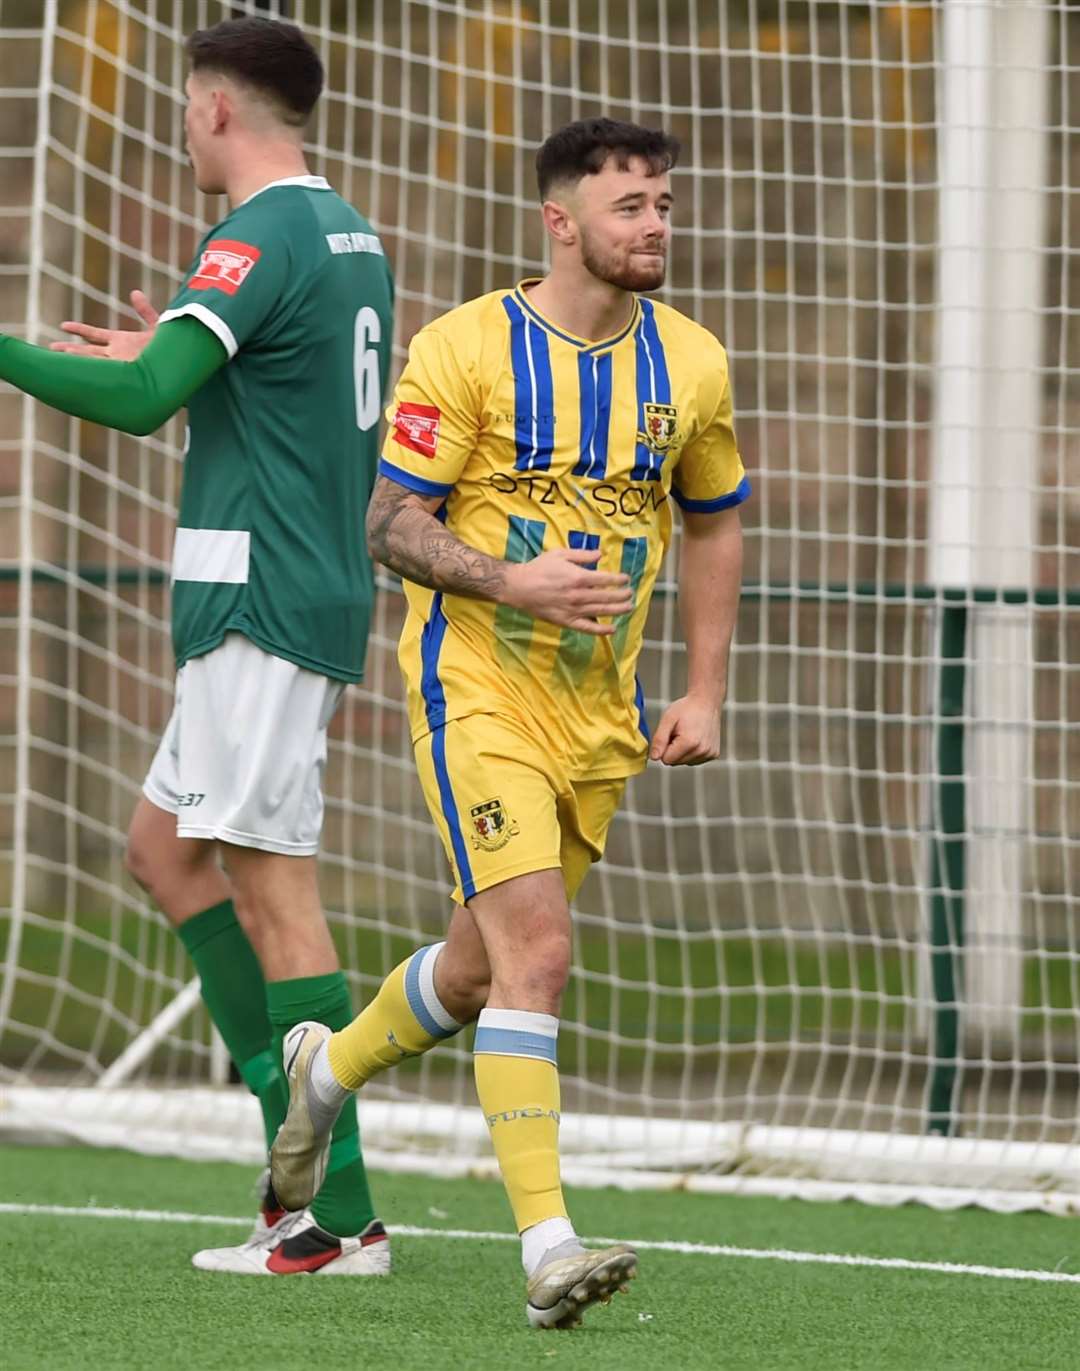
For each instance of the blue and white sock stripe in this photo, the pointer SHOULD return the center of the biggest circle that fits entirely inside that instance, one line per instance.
(432, 1017)
(517, 1033)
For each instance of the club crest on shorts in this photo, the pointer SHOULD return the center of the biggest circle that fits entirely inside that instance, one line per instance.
(492, 827)
(660, 424)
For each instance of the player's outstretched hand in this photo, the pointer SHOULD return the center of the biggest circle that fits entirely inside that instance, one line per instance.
(688, 733)
(564, 587)
(120, 344)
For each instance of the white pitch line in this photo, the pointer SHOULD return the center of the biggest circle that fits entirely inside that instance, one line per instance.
(690, 1249)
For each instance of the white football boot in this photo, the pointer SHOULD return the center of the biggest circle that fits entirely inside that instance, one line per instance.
(296, 1245)
(269, 1216)
(560, 1290)
(301, 1150)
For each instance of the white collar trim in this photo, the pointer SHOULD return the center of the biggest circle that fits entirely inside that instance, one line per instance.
(309, 182)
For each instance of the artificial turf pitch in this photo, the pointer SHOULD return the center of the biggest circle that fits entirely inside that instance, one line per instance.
(110, 1292)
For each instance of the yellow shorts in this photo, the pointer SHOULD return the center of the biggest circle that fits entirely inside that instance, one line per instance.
(505, 807)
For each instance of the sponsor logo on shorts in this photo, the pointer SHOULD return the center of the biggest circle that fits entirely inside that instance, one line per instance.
(492, 827)
(224, 265)
(417, 428)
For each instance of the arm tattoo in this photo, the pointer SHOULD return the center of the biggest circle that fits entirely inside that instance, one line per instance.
(403, 536)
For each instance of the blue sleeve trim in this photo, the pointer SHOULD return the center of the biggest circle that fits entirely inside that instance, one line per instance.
(411, 482)
(736, 497)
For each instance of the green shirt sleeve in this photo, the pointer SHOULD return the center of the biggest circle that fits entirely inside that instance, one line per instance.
(135, 397)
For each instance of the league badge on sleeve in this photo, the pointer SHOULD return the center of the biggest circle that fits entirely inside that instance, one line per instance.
(492, 826)
(224, 265)
(417, 428)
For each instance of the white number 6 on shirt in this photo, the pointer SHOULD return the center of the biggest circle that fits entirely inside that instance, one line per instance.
(368, 331)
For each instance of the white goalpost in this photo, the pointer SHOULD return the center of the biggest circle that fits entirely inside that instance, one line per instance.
(843, 961)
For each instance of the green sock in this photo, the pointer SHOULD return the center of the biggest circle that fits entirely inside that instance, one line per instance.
(234, 990)
(343, 1205)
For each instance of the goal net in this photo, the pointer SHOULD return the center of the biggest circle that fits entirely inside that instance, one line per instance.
(844, 959)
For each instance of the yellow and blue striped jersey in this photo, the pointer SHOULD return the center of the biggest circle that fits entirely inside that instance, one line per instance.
(537, 439)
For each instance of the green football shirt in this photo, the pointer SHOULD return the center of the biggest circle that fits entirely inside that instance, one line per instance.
(282, 442)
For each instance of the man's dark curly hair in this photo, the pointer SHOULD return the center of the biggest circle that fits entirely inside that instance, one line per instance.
(584, 147)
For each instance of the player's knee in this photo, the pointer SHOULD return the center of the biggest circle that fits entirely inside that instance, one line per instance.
(138, 862)
(553, 971)
(464, 989)
(165, 887)
(538, 980)
(178, 881)
(247, 913)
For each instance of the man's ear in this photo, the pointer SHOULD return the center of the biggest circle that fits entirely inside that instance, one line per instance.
(221, 110)
(559, 222)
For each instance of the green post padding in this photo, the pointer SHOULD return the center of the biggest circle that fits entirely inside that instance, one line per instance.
(947, 872)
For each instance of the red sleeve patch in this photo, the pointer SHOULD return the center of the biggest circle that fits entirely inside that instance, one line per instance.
(224, 265)
(417, 428)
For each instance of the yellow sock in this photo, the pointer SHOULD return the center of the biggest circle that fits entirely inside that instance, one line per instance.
(404, 1019)
(517, 1081)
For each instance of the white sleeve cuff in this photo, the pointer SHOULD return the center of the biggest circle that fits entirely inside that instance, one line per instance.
(217, 326)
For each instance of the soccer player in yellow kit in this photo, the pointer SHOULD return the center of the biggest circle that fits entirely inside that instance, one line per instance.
(537, 440)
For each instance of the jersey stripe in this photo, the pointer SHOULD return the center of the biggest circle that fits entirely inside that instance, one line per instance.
(653, 385)
(534, 392)
(639, 701)
(431, 688)
(635, 556)
(594, 386)
(513, 627)
(575, 647)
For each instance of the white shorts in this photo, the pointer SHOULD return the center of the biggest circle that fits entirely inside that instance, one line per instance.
(243, 754)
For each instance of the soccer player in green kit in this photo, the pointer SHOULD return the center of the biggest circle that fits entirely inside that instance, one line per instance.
(278, 342)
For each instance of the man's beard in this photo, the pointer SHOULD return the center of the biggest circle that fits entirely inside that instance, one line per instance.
(629, 273)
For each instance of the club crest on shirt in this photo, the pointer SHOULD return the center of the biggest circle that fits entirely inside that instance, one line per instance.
(660, 424)
(417, 428)
(224, 266)
(492, 826)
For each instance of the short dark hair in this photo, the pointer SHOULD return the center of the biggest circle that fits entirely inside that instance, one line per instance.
(582, 149)
(272, 57)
